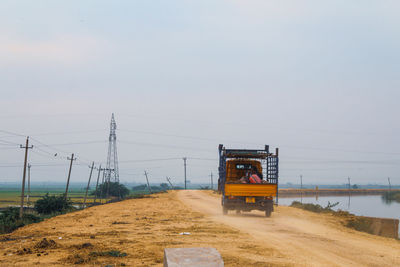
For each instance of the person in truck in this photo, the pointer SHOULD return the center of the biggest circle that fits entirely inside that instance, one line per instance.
(255, 176)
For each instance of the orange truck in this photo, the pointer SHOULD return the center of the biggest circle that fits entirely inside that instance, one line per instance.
(239, 191)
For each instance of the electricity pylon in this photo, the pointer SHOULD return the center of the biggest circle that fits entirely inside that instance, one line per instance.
(111, 171)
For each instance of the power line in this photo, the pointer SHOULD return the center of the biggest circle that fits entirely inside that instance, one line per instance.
(167, 146)
(7, 148)
(243, 142)
(56, 149)
(6, 142)
(12, 133)
(49, 146)
(171, 135)
(71, 132)
(204, 159)
(76, 143)
(149, 160)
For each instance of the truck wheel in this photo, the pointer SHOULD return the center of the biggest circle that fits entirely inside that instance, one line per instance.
(224, 210)
(268, 213)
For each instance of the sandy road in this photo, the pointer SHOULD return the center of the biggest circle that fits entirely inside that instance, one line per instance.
(302, 237)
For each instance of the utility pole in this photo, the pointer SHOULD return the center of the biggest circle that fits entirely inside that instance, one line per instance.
(102, 179)
(184, 165)
(301, 181)
(97, 184)
(21, 211)
(348, 178)
(147, 179)
(107, 181)
(390, 186)
(29, 184)
(212, 184)
(87, 188)
(169, 181)
(69, 174)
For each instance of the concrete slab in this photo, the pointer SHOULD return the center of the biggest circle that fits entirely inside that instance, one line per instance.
(193, 257)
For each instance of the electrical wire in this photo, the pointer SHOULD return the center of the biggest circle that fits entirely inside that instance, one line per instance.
(76, 143)
(216, 160)
(6, 142)
(147, 160)
(12, 133)
(163, 145)
(71, 132)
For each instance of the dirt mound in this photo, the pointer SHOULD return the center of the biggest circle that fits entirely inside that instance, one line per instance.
(44, 243)
(83, 246)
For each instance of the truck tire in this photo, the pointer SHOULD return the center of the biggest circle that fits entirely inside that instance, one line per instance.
(268, 213)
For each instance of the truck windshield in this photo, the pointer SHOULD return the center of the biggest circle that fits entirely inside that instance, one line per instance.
(243, 166)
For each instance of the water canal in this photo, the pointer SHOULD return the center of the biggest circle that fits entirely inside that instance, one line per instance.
(362, 205)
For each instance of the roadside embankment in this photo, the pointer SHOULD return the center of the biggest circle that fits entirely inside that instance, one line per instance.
(291, 192)
(130, 233)
(377, 226)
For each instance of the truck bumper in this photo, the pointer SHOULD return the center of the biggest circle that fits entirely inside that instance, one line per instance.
(239, 203)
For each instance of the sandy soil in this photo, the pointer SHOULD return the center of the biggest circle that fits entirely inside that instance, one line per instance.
(304, 238)
(139, 229)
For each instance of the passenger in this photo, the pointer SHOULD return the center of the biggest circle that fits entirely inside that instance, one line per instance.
(254, 178)
(244, 180)
(257, 172)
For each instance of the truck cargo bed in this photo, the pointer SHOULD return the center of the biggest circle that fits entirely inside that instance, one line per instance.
(253, 190)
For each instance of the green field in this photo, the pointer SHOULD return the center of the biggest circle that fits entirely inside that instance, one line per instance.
(13, 197)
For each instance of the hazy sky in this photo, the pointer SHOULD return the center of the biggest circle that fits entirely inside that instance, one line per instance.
(319, 79)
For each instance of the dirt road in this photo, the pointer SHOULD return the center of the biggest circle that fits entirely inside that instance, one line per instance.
(303, 238)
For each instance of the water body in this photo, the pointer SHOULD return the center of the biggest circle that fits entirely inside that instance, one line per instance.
(367, 205)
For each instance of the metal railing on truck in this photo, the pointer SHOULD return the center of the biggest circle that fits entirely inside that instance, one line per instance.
(269, 162)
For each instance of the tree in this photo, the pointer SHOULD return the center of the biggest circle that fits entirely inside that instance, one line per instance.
(51, 204)
(164, 186)
(113, 189)
(140, 187)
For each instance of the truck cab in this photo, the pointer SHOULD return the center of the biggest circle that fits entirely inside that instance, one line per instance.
(238, 192)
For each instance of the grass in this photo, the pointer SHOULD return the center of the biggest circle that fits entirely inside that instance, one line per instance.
(111, 253)
(13, 197)
(315, 207)
(360, 224)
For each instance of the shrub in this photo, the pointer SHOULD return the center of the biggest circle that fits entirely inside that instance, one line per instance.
(141, 187)
(314, 207)
(9, 220)
(52, 204)
(164, 186)
(112, 253)
(360, 224)
(154, 188)
(114, 189)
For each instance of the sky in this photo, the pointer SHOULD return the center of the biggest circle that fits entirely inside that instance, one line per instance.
(318, 79)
